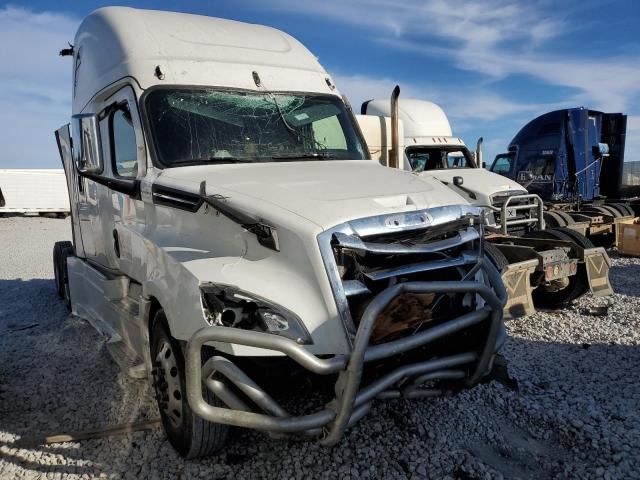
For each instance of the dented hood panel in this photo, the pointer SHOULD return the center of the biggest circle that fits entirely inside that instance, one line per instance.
(323, 192)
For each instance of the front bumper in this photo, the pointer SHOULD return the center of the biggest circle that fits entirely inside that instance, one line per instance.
(351, 402)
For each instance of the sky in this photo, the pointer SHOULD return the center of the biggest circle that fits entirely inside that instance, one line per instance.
(493, 65)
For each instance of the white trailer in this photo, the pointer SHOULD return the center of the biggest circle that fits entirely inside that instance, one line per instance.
(228, 222)
(33, 191)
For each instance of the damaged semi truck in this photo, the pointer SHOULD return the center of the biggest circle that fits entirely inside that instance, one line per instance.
(544, 267)
(228, 223)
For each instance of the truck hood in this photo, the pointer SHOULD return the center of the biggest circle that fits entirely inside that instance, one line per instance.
(477, 180)
(326, 192)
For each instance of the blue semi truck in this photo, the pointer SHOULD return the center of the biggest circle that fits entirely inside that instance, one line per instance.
(573, 159)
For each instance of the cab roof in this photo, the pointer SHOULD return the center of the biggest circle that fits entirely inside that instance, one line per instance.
(117, 42)
(420, 117)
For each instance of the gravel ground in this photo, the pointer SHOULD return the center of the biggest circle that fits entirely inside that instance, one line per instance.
(576, 414)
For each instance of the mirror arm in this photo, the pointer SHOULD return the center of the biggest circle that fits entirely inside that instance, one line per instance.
(128, 186)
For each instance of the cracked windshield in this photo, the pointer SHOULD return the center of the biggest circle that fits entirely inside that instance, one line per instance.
(199, 126)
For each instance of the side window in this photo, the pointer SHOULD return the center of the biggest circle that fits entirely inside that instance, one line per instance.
(123, 143)
(502, 165)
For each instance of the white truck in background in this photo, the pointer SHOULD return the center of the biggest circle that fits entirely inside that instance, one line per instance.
(543, 267)
(33, 191)
(228, 225)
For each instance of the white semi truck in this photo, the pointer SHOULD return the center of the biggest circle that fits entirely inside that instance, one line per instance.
(227, 222)
(543, 267)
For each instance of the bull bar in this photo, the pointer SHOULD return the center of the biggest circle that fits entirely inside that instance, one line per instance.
(505, 223)
(351, 402)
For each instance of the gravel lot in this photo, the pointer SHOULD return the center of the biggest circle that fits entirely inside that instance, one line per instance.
(576, 415)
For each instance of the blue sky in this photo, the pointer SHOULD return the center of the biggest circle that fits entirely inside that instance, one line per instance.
(493, 65)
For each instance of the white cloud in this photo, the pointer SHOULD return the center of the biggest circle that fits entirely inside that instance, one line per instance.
(35, 85)
(464, 106)
(496, 38)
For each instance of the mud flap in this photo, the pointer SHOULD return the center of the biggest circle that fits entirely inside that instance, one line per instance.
(598, 263)
(517, 282)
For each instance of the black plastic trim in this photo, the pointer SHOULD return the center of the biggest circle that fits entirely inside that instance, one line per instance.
(179, 199)
(129, 187)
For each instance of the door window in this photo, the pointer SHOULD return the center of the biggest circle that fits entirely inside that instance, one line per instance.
(502, 165)
(123, 143)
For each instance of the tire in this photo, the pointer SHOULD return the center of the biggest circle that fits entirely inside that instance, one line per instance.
(578, 283)
(624, 209)
(576, 236)
(67, 252)
(189, 434)
(60, 266)
(615, 213)
(496, 257)
(601, 210)
(568, 219)
(553, 219)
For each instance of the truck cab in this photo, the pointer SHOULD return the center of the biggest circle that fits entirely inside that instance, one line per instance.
(228, 224)
(432, 151)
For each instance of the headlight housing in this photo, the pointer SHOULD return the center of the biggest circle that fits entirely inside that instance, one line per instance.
(229, 306)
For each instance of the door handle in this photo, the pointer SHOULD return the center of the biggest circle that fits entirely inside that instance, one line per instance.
(116, 243)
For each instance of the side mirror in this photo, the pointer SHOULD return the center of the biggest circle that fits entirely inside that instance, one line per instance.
(484, 164)
(86, 146)
(458, 181)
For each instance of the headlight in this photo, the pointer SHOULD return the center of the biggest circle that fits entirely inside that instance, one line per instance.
(230, 307)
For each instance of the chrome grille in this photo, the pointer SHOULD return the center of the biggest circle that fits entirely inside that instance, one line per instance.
(365, 256)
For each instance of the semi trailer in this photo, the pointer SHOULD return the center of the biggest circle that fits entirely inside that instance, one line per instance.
(229, 228)
(573, 159)
(33, 191)
(544, 267)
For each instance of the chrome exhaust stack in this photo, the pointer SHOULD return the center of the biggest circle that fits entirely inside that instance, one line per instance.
(479, 161)
(394, 157)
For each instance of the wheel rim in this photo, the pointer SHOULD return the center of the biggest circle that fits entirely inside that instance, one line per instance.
(167, 384)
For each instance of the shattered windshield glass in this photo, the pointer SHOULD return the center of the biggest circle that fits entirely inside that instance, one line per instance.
(205, 125)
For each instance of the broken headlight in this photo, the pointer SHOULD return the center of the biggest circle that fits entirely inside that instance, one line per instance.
(230, 307)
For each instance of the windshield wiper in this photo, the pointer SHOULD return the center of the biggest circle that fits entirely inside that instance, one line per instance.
(200, 161)
(302, 155)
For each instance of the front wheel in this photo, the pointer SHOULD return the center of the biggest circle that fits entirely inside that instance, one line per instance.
(189, 434)
(61, 251)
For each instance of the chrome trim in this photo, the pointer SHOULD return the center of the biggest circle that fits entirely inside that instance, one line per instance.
(411, 220)
(356, 243)
(464, 259)
(354, 287)
(380, 224)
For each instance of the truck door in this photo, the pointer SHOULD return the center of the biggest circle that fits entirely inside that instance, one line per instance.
(122, 212)
(63, 139)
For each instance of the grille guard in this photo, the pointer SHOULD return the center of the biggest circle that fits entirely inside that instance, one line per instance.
(505, 223)
(351, 402)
